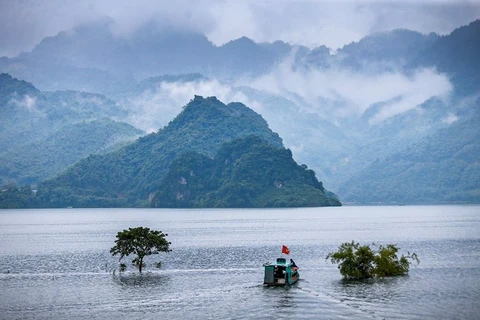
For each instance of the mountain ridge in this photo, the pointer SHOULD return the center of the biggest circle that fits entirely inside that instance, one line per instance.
(129, 176)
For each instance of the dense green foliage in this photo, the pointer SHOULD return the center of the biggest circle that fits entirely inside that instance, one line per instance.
(10, 86)
(128, 177)
(12, 197)
(361, 262)
(247, 172)
(141, 242)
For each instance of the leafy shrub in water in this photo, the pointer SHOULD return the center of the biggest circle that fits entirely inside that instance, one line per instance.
(140, 242)
(361, 262)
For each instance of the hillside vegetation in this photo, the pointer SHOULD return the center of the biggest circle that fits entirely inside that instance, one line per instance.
(129, 176)
(247, 172)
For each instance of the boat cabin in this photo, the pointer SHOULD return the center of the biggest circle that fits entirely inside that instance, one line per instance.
(280, 273)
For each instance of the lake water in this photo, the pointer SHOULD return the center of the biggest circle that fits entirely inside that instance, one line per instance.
(55, 264)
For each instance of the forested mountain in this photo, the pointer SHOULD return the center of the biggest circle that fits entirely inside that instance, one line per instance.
(42, 133)
(43, 158)
(428, 154)
(247, 172)
(443, 168)
(129, 176)
(373, 160)
(341, 111)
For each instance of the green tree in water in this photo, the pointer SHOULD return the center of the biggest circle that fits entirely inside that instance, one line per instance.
(141, 242)
(361, 262)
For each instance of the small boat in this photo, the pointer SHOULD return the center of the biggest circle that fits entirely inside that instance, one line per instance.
(280, 273)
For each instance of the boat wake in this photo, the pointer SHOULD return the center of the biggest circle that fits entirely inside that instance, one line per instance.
(330, 299)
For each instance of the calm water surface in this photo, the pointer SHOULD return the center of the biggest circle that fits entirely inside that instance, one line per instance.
(55, 264)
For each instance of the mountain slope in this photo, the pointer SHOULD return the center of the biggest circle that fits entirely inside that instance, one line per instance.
(443, 167)
(247, 172)
(129, 176)
(36, 161)
(42, 133)
(457, 55)
(418, 151)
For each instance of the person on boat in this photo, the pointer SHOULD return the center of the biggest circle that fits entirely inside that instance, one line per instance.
(293, 264)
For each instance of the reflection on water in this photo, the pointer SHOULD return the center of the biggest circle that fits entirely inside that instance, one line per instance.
(55, 264)
(284, 300)
(372, 290)
(146, 279)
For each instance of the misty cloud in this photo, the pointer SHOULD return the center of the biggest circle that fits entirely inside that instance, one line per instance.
(341, 92)
(26, 102)
(23, 24)
(332, 94)
(424, 84)
(451, 118)
(153, 109)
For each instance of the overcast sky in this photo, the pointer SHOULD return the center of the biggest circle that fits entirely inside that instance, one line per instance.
(24, 23)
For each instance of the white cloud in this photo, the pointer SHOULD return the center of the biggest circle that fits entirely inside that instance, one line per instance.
(340, 92)
(424, 84)
(333, 93)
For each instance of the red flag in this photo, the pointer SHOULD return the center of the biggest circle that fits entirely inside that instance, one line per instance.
(285, 250)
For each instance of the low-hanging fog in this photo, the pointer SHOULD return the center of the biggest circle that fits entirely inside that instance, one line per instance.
(332, 93)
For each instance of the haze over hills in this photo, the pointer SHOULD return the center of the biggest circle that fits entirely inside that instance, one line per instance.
(341, 112)
(457, 55)
(90, 58)
(443, 167)
(42, 133)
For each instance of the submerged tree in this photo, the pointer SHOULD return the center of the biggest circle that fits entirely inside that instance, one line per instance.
(361, 262)
(141, 242)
